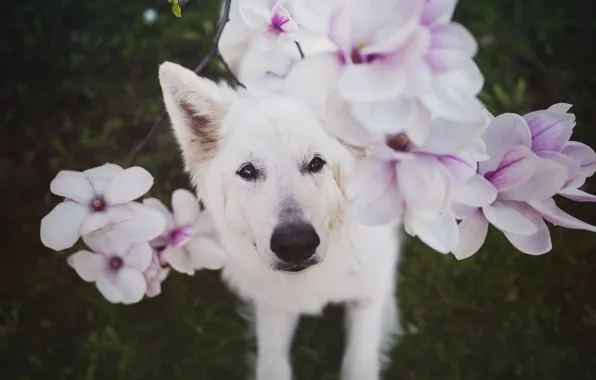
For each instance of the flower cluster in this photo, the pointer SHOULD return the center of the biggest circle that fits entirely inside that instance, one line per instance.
(394, 78)
(132, 244)
(399, 81)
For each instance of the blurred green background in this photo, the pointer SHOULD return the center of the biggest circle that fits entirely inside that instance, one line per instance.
(78, 87)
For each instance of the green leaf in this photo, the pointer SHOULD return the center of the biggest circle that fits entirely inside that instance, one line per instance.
(177, 10)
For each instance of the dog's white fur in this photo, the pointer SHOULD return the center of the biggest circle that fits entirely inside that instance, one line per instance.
(219, 130)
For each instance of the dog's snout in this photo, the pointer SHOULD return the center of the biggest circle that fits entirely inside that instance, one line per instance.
(295, 242)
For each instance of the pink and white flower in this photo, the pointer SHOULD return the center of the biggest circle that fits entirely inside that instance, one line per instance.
(189, 240)
(99, 198)
(272, 19)
(551, 130)
(525, 184)
(399, 177)
(115, 265)
(155, 274)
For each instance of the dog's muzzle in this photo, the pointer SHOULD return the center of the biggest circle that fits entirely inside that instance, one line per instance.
(295, 245)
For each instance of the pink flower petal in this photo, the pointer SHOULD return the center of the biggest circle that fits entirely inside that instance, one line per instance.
(476, 192)
(462, 166)
(88, 265)
(472, 233)
(582, 154)
(547, 179)
(577, 195)
(440, 234)
(163, 210)
(549, 211)
(516, 168)
(389, 117)
(132, 285)
(503, 133)
(507, 217)
(342, 124)
(128, 185)
(461, 211)
(73, 185)
(572, 166)
(61, 228)
(550, 131)
(537, 243)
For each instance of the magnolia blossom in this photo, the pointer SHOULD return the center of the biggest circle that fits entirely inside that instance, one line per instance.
(155, 274)
(271, 18)
(551, 130)
(399, 176)
(189, 240)
(115, 265)
(99, 198)
(525, 184)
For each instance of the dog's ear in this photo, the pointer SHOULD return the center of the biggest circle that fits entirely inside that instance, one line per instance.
(197, 107)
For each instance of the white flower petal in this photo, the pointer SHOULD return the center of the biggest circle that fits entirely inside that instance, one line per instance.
(547, 180)
(179, 260)
(128, 185)
(185, 206)
(73, 185)
(313, 78)
(109, 290)
(61, 228)
(549, 211)
(138, 256)
(370, 82)
(452, 137)
(425, 183)
(461, 211)
(472, 233)
(132, 285)
(503, 133)
(536, 244)
(206, 253)
(440, 234)
(146, 224)
(577, 195)
(385, 209)
(507, 217)
(163, 210)
(255, 15)
(369, 179)
(477, 192)
(88, 265)
(101, 175)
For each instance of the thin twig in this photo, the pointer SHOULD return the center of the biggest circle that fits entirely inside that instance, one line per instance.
(213, 54)
(299, 49)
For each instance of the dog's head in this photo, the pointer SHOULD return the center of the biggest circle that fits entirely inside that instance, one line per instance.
(265, 167)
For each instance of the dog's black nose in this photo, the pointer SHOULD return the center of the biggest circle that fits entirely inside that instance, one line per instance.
(294, 242)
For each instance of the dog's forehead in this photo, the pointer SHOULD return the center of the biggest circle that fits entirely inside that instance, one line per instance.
(277, 122)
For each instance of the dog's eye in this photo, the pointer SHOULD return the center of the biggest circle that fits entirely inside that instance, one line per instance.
(248, 172)
(316, 164)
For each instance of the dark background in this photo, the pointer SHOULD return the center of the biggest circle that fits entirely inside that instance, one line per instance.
(78, 87)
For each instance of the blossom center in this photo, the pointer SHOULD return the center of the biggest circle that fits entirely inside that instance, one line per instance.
(277, 23)
(98, 204)
(116, 263)
(398, 143)
(358, 58)
(180, 235)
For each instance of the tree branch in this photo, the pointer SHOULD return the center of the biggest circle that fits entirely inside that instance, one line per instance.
(213, 54)
(299, 49)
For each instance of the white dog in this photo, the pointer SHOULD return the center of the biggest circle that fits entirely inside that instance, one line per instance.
(273, 178)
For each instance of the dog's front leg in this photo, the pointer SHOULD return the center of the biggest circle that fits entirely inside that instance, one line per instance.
(364, 325)
(274, 330)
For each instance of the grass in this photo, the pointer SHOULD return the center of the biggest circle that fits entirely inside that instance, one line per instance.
(79, 88)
